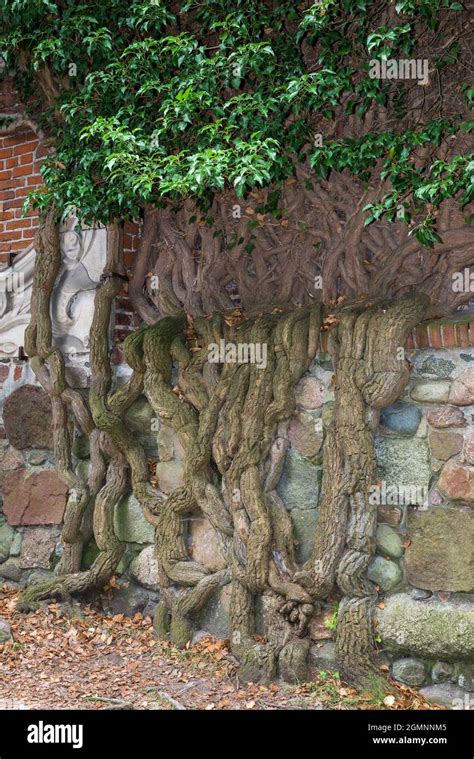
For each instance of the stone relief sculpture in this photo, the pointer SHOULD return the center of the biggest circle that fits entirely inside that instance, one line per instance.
(83, 258)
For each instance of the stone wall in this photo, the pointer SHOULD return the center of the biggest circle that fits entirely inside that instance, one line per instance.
(424, 565)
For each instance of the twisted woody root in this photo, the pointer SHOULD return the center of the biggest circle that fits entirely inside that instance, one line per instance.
(232, 423)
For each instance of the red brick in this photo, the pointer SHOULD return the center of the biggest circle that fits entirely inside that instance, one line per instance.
(25, 147)
(422, 337)
(21, 171)
(4, 371)
(7, 236)
(471, 333)
(17, 373)
(449, 335)
(26, 158)
(10, 163)
(6, 152)
(462, 335)
(434, 336)
(36, 180)
(17, 223)
(20, 245)
(128, 258)
(14, 203)
(410, 343)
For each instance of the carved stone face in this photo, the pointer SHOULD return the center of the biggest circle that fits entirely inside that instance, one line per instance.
(71, 248)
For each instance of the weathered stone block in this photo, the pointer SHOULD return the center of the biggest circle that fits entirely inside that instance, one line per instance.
(402, 418)
(389, 542)
(129, 522)
(38, 547)
(299, 483)
(445, 445)
(144, 569)
(456, 481)
(436, 391)
(430, 629)
(446, 416)
(462, 390)
(27, 418)
(39, 498)
(441, 556)
(305, 434)
(403, 461)
(310, 393)
(206, 548)
(410, 671)
(387, 574)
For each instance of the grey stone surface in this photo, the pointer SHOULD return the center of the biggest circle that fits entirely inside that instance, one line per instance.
(465, 675)
(205, 545)
(129, 522)
(322, 657)
(403, 461)
(11, 570)
(300, 482)
(6, 539)
(420, 595)
(128, 600)
(402, 418)
(435, 391)
(5, 631)
(389, 542)
(410, 671)
(387, 574)
(439, 367)
(169, 446)
(144, 569)
(431, 629)
(442, 672)
(15, 548)
(446, 694)
(440, 555)
(170, 475)
(215, 617)
(304, 526)
(37, 458)
(38, 547)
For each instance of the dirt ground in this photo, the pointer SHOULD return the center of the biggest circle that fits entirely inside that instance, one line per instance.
(64, 657)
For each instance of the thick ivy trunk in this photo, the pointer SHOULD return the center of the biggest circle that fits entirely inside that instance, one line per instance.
(231, 420)
(371, 372)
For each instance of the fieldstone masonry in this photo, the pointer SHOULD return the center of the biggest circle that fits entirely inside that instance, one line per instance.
(424, 563)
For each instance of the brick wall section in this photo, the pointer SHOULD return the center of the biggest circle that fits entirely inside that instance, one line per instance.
(454, 332)
(125, 318)
(20, 161)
